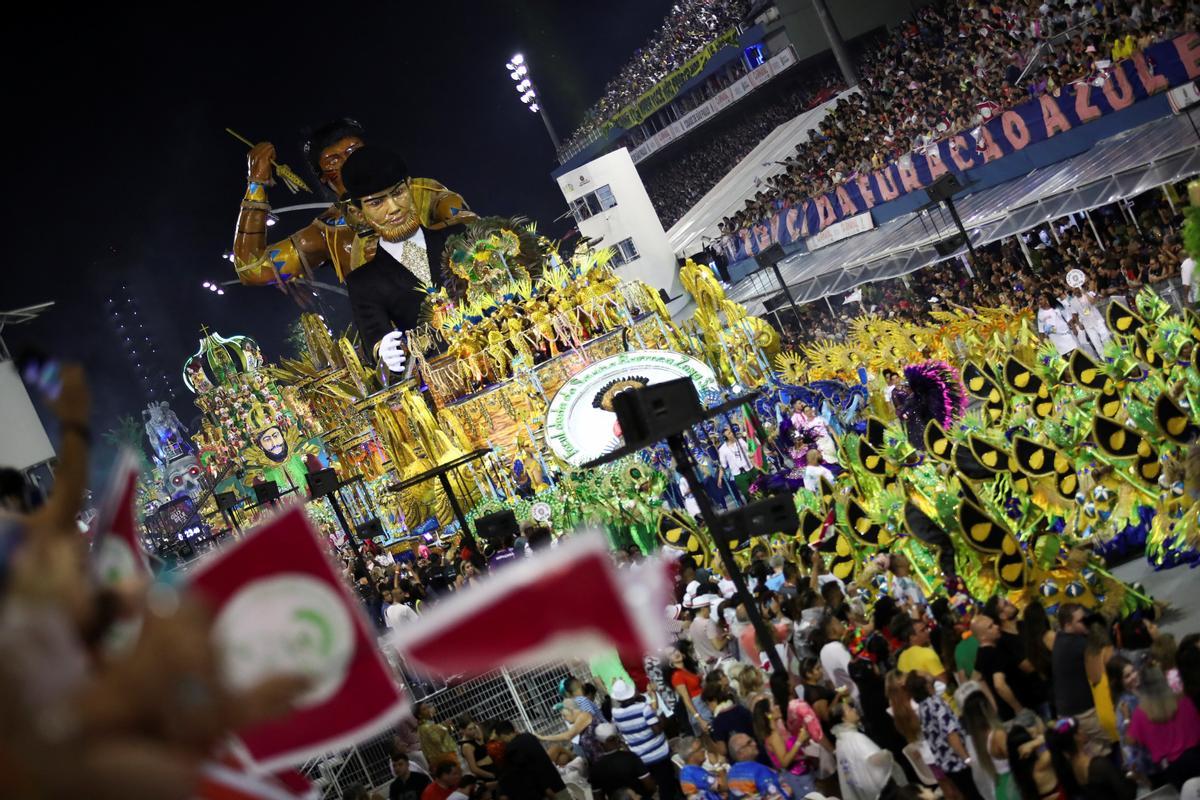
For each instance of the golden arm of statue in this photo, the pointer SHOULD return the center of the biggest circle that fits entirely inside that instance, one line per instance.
(259, 263)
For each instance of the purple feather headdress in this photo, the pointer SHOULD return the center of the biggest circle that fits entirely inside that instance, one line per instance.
(939, 391)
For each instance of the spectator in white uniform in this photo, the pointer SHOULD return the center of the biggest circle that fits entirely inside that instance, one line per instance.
(1081, 308)
(1054, 326)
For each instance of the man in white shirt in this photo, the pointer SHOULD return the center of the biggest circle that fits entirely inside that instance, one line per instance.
(835, 657)
(707, 639)
(1053, 325)
(893, 380)
(1081, 307)
(689, 500)
(735, 463)
(814, 471)
(398, 613)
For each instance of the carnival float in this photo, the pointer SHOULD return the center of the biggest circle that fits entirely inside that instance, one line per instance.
(996, 466)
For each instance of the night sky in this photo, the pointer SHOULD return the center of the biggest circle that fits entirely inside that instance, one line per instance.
(121, 173)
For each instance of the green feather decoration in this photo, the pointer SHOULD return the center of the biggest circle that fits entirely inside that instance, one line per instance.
(1191, 231)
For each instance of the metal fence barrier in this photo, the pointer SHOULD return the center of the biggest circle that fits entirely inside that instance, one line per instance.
(526, 697)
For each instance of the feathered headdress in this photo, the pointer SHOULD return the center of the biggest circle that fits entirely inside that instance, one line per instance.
(937, 392)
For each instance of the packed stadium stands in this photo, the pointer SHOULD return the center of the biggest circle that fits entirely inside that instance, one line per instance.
(689, 25)
(945, 71)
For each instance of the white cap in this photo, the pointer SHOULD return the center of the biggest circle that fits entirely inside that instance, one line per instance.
(606, 731)
(621, 691)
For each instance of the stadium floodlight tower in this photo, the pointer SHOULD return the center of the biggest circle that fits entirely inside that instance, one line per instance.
(518, 70)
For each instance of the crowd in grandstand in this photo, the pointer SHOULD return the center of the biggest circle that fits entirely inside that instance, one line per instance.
(687, 102)
(689, 25)
(676, 182)
(945, 71)
(1145, 252)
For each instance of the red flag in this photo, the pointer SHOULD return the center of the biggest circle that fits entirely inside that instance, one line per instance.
(562, 603)
(222, 782)
(281, 608)
(117, 552)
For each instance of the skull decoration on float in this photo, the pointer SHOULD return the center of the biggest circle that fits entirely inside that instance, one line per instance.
(184, 476)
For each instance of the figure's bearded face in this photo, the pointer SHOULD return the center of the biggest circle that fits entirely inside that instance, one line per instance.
(273, 444)
(331, 160)
(391, 213)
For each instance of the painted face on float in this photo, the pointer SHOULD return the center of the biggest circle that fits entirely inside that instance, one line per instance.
(331, 160)
(391, 214)
(273, 444)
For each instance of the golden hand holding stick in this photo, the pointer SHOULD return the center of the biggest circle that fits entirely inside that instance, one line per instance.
(290, 179)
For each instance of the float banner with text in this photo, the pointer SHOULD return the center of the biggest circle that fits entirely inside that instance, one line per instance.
(1152, 71)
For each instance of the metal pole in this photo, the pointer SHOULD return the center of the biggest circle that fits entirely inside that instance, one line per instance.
(545, 119)
(549, 128)
(1132, 216)
(845, 64)
(1095, 232)
(454, 505)
(686, 468)
(1025, 250)
(341, 518)
(786, 292)
(1124, 212)
(1167, 195)
(512, 689)
(958, 224)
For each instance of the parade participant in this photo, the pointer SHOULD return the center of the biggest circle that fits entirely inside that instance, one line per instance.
(1054, 326)
(413, 229)
(1093, 332)
(814, 471)
(735, 462)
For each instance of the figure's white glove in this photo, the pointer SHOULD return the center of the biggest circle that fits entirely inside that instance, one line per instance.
(391, 352)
